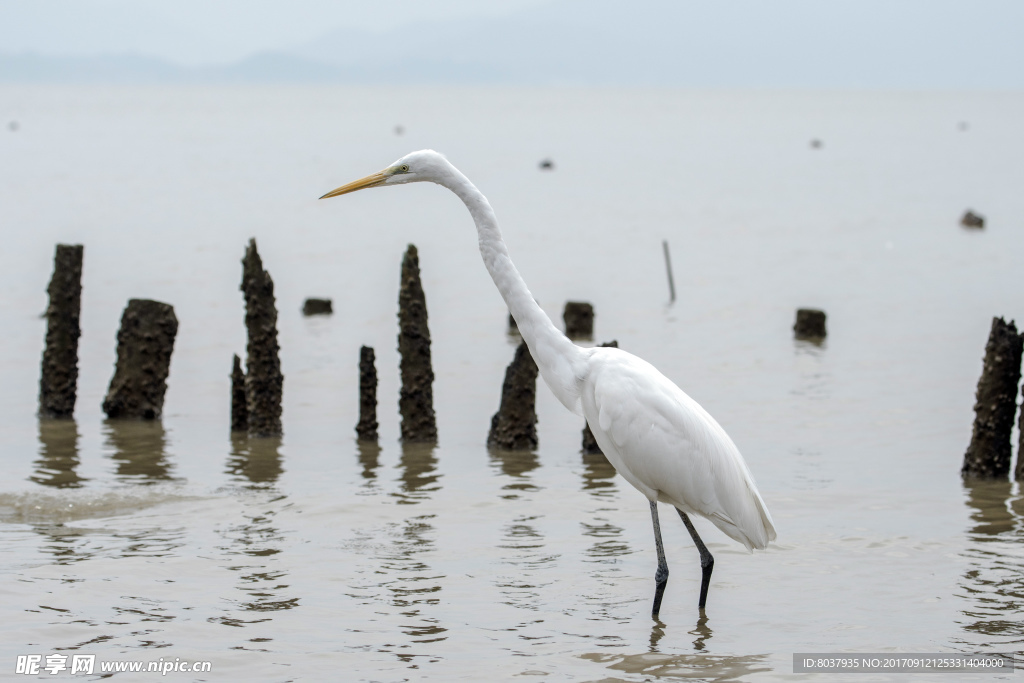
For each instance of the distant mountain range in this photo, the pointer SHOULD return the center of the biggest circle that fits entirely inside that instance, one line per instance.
(783, 43)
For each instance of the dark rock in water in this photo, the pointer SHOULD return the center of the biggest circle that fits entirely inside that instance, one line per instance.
(317, 307)
(416, 400)
(367, 427)
(144, 346)
(547, 165)
(264, 383)
(579, 320)
(589, 442)
(514, 426)
(988, 455)
(239, 410)
(58, 383)
(810, 324)
(972, 220)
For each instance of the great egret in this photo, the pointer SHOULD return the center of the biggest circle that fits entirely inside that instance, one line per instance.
(658, 438)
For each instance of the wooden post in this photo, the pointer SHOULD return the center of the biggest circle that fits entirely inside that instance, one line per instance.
(416, 401)
(264, 383)
(239, 410)
(58, 382)
(668, 269)
(988, 455)
(144, 346)
(367, 427)
(514, 426)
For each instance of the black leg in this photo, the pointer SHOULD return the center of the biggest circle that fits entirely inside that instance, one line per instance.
(661, 576)
(707, 562)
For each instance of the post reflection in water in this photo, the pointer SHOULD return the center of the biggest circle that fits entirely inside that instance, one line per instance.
(515, 464)
(994, 581)
(609, 544)
(139, 449)
(419, 473)
(58, 454)
(413, 585)
(598, 472)
(255, 459)
(253, 546)
(369, 458)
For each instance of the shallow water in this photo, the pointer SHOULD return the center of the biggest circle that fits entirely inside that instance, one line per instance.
(316, 558)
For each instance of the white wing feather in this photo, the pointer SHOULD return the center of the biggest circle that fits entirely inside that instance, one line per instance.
(667, 446)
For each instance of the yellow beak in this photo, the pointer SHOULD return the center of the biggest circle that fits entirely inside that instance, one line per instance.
(371, 180)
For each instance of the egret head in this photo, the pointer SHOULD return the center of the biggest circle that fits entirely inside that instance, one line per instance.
(414, 167)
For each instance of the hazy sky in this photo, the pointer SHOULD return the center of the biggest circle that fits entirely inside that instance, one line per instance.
(741, 43)
(204, 31)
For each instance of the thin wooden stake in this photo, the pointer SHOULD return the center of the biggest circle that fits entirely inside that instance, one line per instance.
(668, 267)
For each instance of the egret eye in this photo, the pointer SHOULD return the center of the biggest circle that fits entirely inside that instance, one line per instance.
(404, 168)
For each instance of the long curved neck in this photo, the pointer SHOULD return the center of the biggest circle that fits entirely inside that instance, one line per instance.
(561, 362)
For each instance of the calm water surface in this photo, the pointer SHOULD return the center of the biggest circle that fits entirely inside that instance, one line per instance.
(316, 558)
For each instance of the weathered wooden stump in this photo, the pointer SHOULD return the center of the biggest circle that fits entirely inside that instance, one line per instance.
(514, 426)
(366, 430)
(589, 445)
(264, 383)
(317, 307)
(810, 324)
(58, 383)
(579, 320)
(988, 455)
(1019, 472)
(416, 400)
(239, 410)
(144, 346)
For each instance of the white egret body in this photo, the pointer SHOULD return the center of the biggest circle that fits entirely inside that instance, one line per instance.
(658, 438)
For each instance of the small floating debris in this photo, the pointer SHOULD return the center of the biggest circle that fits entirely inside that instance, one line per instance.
(810, 324)
(13, 126)
(962, 125)
(546, 165)
(399, 130)
(317, 307)
(972, 220)
(816, 143)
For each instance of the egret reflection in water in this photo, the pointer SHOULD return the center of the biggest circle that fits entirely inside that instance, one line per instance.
(58, 454)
